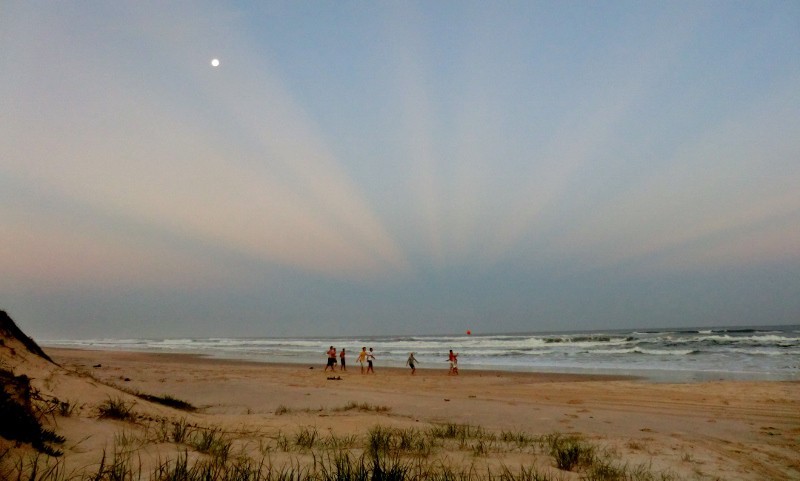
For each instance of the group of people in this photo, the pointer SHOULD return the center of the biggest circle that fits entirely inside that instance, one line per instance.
(363, 357)
(369, 357)
(332, 359)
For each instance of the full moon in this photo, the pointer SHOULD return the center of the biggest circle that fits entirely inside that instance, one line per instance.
(215, 62)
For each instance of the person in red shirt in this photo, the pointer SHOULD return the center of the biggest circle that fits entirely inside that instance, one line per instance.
(453, 359)
(331, 359)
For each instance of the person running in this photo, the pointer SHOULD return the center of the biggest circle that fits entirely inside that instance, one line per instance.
(370, 358)
(453, 359)
(411, 363)
(331, 359)
(341, 360)
(362, 358)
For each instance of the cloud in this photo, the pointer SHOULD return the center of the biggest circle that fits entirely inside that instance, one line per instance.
(734, 186)
(223, 155)
(417, 121)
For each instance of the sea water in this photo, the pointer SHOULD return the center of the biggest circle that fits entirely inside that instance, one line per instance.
(743, 353)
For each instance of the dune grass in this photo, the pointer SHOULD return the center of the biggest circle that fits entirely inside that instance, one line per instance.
(363, 407)
(167, 400)
(116, 408)
(569, 452)
(380, 453)
(282, 410)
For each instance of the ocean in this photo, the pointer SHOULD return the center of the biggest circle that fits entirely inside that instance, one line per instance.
(669, 355)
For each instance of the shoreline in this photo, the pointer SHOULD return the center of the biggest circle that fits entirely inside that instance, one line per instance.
(662, 355)
(668, 376)
(353, 368)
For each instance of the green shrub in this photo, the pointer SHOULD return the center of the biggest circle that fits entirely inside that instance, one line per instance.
(306, 438)
(364, 407)
(212, 441)
(67, 409)
(379, 441)
(569, 452)
(180, 430)
(455, 431)
(167, 400)
(116, 409)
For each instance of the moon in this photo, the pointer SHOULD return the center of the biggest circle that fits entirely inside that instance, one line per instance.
(215, 62)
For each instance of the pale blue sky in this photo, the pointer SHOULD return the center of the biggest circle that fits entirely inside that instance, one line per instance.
(360, 168)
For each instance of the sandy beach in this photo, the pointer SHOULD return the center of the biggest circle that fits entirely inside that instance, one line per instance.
(708, 430)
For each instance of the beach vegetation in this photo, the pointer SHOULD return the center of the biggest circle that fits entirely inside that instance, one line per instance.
(116, 408)
(45, 406)
(128, 439)
(67, 409)
(569, 452)
(456, 431)
(482, 447)
(180, 430)
(525, 473)
(167, 400)
(520, 439)
(607, 469)
(604, 470)
(306, 437)
(164, 399)
(340, 443)
(379, 440)
(282, 409)
(635, 445)
(159, 430)
(176, 469)
(119, 467)
(414, 442)
(212, 441)
(408, 442)
(380, 453)
(342, 466)
(282, 441)
(36, 467)
(363, 407)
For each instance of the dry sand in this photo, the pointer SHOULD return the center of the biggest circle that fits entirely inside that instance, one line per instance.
(708, 430)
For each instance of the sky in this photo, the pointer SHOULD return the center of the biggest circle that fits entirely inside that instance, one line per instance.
(374, 168)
